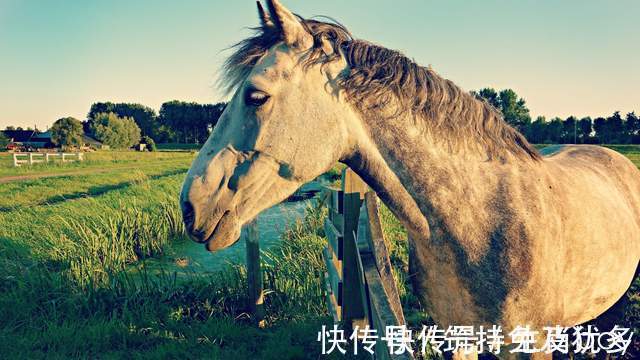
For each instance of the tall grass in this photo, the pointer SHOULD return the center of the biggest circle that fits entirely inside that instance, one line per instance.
(293, 271)
(107, 244)
(87, 293)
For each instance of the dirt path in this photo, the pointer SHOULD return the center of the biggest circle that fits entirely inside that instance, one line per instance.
(87, 171)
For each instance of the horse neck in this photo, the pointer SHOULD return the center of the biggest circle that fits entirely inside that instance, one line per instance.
(422, 180)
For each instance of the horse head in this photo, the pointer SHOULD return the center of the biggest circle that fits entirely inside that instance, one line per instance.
(284, 126)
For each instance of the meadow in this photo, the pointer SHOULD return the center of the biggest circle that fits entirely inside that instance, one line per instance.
(103, 160)
(74, 281)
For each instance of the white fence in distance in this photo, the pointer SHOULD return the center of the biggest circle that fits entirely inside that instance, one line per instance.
(20, 159)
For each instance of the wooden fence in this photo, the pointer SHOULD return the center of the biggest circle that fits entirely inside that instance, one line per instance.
(20, 159)
(360, 287)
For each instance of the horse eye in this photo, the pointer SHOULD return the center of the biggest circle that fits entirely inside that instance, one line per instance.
(255, 97)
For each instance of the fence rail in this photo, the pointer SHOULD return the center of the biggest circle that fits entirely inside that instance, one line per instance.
(20, 159)
(360, 286)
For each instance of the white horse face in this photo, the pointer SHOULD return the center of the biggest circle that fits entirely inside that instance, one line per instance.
(283, 127)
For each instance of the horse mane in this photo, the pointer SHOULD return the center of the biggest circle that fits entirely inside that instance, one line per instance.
(377, 77)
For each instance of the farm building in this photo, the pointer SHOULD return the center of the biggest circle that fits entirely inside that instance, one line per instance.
(92, 143)
(40, 140)
(28, 139)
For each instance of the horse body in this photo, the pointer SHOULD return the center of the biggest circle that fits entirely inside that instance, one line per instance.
(507, 241)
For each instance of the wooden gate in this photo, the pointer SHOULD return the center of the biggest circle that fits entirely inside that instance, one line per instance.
(360, 287)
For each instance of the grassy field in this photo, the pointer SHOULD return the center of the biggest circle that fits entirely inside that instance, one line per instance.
(73, 280)
(96, 160)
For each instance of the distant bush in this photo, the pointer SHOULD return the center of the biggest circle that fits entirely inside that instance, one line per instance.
(67, 132)
(4, 140)
(151, 145)
(117, 132)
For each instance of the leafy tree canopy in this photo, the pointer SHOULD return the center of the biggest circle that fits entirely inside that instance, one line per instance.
(144, 116)
(151, 145)
(187, 122)
(4, 140)
(513, 108)
(67, 132)
(117, 132)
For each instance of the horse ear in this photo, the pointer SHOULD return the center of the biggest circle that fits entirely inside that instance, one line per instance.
(293, 33)
(327, 47)
(265, 19)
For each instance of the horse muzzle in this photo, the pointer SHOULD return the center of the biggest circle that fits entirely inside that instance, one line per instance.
(223, 192)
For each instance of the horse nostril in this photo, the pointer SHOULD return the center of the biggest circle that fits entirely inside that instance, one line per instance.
(188, 215)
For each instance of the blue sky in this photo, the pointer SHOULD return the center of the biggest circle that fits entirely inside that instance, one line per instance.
(564, 57)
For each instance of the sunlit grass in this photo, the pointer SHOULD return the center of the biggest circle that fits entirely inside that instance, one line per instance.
(17, 194)
(98, 159)
(73, 284)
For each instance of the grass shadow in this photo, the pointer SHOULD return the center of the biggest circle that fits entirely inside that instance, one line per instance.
(92, 192)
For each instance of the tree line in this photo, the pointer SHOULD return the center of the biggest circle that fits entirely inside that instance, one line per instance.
(176, 122)
(190, 122)
(613, 129)
(122, 125)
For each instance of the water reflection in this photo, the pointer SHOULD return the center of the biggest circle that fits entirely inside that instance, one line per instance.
(187, 257)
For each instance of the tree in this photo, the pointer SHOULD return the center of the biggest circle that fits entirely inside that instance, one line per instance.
(633, 128)
(187, 122)
(570, 130)
(488, 94)
(554, 131)
(600, 127)
(585, 128)
(144, 116)
(513, 108)
(610, 130)
(615, 127)
(4, 140)
(67, 132)
(117, 132)
(151, 145)
(537, 131)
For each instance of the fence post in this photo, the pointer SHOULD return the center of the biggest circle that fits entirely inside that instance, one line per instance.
(354, 312)
(254, 274)
(15, 160)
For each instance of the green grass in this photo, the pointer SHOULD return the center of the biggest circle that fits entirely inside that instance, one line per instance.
(178, 146)
(17, 194)
(73, 280)
(95, 160)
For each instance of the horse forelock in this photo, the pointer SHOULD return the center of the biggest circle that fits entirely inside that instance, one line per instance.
(378, 77)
